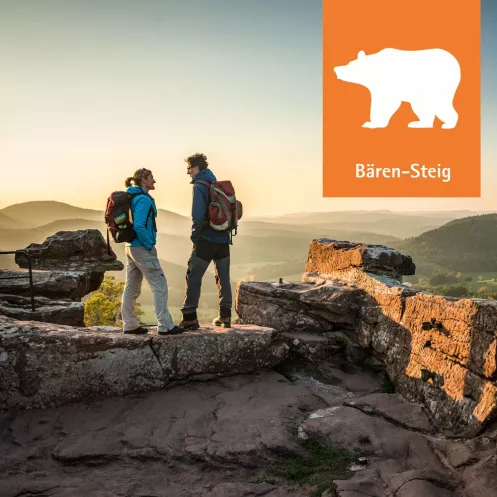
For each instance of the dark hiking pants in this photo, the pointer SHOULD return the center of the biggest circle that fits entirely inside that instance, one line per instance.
(202, 254)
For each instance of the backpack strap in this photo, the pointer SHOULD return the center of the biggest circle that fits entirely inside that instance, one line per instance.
(202, 182)
(151, 210)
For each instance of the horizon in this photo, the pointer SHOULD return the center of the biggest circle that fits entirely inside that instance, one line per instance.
(97, 91)
(289, 213)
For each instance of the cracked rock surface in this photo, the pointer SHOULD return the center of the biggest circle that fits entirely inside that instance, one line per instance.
(200, 439)
(44, 365)
(219, 439)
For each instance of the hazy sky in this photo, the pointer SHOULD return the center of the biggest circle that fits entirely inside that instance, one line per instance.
(90, 90)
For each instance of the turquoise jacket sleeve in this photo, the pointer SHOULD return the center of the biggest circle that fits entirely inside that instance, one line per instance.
(142, 206)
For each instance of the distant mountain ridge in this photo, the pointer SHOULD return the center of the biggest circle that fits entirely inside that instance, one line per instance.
(43, 212)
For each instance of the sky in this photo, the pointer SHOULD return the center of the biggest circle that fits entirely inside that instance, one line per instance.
(91, 90)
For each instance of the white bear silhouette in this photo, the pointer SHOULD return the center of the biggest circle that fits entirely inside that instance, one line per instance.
(427, 79)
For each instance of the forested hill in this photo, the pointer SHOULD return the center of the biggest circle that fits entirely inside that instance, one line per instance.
(467, 244)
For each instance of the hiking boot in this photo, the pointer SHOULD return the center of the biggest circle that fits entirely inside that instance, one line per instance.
(224, 322)
(136, 331)
(188, 325)
(175, 331)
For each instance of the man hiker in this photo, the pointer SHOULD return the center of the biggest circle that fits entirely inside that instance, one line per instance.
(208, 245)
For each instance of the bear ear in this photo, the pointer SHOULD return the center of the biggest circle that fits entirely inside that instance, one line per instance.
(361, 54)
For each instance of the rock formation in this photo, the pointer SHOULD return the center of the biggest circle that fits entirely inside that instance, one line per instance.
(80, 251)
(68, 265)
(437, 350)
(44, 365)
(46, 310)
(90, 411)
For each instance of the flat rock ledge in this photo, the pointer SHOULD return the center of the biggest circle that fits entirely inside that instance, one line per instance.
(53, 284)
(46, 365)
(49, 311)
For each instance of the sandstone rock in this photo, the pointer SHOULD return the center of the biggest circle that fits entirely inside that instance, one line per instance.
(45, 365)
(450, 367)
(256, 490)
(46, 310)
(192, 440)
(296, 307)
(218, 351)
(481, 479)
(311, 347)
(81, 250)
(400, 461)
(327, 256)
(51, 284)
(394, 409)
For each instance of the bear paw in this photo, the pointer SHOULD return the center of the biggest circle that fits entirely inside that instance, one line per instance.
(373, 125)
(449, 125)
(420, 124)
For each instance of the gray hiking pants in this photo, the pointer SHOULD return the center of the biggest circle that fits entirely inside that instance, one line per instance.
(142, 263)
(202, 254)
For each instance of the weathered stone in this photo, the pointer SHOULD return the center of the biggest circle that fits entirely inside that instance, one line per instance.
(396, 457)
(81, 250)
(311, 347)
(218, 351)
(393, 408)
(45, 365)
(450, 367)
(327, 256)
(46, 310)
(297, 307)
(192, 440)
(481, 479)
(51, 284)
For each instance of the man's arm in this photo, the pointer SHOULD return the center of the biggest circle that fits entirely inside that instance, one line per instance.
(199, 210)
(142, 207)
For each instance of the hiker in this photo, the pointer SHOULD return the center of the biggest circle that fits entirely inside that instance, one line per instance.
(142, 261)
(208, 245)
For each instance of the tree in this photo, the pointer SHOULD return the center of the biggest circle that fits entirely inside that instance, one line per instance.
(103, 308)
(481, 278)
(456, 291)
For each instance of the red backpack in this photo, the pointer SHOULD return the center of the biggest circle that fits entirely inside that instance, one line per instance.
(224, 209)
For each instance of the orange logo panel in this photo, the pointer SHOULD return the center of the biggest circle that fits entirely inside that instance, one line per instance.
(401, 98)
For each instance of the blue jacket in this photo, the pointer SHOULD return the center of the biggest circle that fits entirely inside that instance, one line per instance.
(143, 222)
(201, 228)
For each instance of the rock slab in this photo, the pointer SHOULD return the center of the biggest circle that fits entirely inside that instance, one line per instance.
(44, 365)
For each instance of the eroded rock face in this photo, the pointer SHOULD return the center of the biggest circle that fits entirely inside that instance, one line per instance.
(51, 284)
(46, 310)
(326, 256)
(45, 365)
(81, 250)
(292, 307)
(451, 366)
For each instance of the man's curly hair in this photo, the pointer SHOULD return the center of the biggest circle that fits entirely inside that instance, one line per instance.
(199, 160)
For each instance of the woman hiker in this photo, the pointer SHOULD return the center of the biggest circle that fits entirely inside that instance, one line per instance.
(142, 261)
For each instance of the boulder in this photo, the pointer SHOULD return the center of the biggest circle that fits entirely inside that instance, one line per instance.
(45, 365)
(53, 284)
(327, 256)
(46, 310)
(81, 250)
(297, 307)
